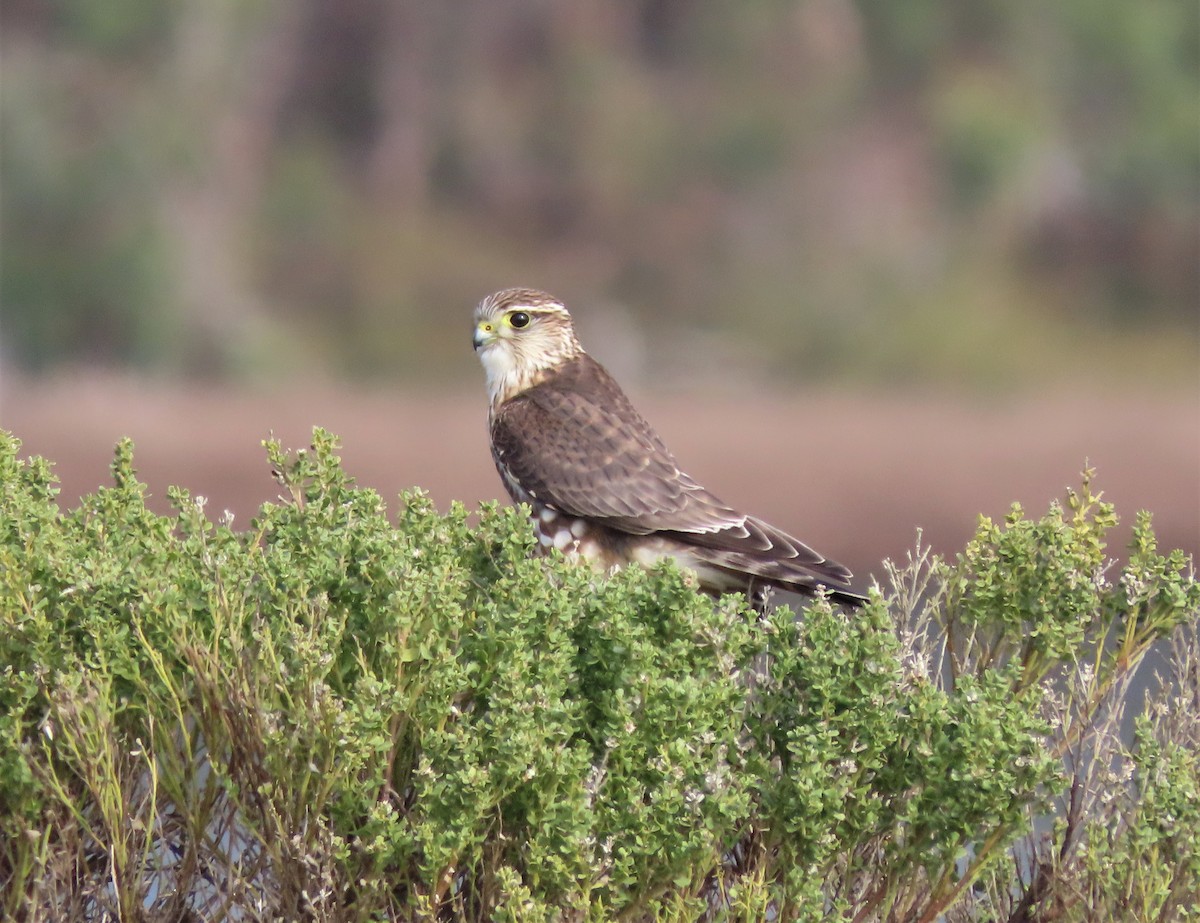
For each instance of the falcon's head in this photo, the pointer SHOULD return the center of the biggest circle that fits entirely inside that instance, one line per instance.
(521, 336)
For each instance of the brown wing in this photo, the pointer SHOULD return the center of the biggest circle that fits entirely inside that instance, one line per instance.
(577, 443)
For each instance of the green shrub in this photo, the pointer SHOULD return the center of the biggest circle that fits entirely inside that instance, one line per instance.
(343, 715)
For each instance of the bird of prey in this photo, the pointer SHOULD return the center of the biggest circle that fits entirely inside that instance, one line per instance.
(599, 480)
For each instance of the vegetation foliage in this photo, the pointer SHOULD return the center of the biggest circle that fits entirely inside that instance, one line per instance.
(989, 193)
(344, 715)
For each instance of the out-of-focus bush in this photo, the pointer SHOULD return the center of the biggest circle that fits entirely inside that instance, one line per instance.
(863, 190)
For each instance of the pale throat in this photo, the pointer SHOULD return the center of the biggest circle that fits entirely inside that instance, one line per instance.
(511, 369)
(506, 373)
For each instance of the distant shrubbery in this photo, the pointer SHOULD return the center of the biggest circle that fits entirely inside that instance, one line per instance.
(988, 194)
(341, 715)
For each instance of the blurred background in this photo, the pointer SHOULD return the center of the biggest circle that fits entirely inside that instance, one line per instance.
(869, 266)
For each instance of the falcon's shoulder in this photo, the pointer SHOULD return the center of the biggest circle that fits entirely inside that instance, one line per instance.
(575, 441)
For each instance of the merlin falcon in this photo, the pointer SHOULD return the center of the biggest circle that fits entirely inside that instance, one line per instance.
(599, 480)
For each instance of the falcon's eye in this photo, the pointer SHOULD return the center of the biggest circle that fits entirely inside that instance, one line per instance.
(518, 319)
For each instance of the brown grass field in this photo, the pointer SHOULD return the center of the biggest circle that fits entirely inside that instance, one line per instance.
(854, 475)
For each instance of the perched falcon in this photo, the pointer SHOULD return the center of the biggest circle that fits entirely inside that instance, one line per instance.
(601, 484)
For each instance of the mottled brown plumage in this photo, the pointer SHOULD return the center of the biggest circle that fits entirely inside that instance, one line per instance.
(600, 481)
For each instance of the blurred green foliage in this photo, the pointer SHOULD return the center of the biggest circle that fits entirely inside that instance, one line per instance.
(865, 190)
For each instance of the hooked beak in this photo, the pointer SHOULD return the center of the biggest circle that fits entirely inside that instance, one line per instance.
(484, 334)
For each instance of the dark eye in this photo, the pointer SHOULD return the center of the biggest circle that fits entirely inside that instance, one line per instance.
(519, 319)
